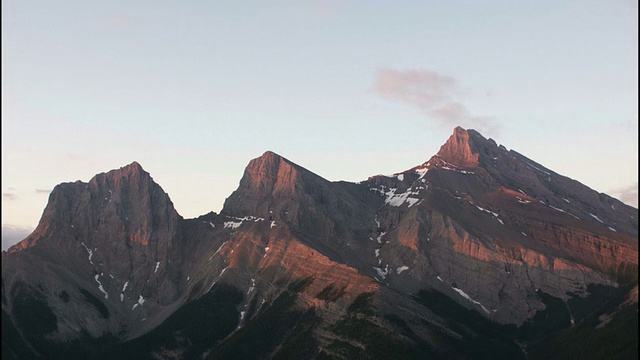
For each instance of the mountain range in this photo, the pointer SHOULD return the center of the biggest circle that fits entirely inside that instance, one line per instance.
(477, 253)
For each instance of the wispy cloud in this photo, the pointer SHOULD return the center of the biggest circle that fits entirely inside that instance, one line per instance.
(628, 195)
(433, 93)
(9, 196)
(42, 191)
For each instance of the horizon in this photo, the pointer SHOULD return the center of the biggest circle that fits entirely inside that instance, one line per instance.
(12, 234)
(346, 90)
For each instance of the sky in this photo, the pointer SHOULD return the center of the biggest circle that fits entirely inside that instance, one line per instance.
(193, 90)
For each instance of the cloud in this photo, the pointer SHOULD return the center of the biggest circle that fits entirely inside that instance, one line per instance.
(628, 195)
(434, 94)
(13, 234)
(9, 196)
(43, 191)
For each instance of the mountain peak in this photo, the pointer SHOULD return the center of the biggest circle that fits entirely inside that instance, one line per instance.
(264, 177)
(134, 166)
(131, 169)
(269, 155)
(460, 149)
(269, 168)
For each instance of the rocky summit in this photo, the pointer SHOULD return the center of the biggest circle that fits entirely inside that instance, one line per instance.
(478, 253)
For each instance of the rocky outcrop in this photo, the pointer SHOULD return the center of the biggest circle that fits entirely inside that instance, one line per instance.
(461, 149)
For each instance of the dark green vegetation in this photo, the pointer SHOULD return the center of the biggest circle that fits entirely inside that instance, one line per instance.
(34, 317)
(99, 305)
(617, 340)
(31, 312)
(208, 327)
(279, 331)
(587, 340)
(549, 334)
(362, 304)
(481, 338)
(363, 335)
(627, 274)
(13, 345)
(330, 293)
(195, 327)
(547, 322)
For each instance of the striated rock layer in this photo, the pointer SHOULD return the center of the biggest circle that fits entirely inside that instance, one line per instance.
(479, 245)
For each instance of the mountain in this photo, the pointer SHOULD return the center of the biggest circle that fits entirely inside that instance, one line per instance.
(479, 252)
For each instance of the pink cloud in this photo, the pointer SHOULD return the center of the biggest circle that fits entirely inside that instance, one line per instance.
(432, 93)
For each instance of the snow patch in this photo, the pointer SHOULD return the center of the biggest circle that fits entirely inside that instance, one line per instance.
(234, 224)
(438, 277)
(394, 199)
(220, 248)
(97, 278)
(595, 217)
(253, 284)
(488, 211)
(141, 301)
(157, 266)
(125, 286)
(451, 167)
(383, 273)
(89, 251)
(464, 295)
(273, 223)
(400, 177)
(495, 215)
(401, 269)
(213, 226)
(612, 229)
(537, 168)
(457, 170)
(568, 213)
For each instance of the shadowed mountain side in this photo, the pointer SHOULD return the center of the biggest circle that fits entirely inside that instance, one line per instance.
(479, 252)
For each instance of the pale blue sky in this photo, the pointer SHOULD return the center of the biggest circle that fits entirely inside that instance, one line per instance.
(194, 89)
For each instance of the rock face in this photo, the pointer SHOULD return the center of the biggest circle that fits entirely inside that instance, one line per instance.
(477, 250)
(102, 248)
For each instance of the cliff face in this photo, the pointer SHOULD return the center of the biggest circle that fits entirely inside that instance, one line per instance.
(480, 220)
(431, 259)
(102, 248)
